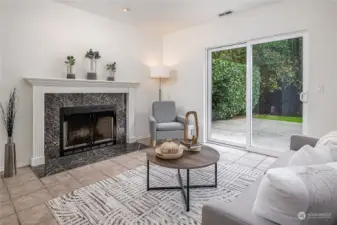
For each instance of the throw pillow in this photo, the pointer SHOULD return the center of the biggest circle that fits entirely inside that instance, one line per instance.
(330, 138)
(308, 155)
(294, 195)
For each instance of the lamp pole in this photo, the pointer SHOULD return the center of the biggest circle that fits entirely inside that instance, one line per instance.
(160, 89)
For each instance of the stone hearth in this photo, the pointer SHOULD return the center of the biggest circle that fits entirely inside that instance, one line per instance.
(60, 164)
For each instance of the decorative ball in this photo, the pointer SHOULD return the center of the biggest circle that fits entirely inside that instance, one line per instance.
(169, 148)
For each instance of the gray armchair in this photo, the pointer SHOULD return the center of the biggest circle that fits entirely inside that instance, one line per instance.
(164, 122)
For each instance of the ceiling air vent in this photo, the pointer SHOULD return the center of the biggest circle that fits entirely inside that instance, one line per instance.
(225, 13)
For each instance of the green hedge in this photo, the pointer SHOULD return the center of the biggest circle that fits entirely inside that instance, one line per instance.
(229, 89)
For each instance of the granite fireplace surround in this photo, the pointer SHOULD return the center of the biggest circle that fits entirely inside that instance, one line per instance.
(53, 102)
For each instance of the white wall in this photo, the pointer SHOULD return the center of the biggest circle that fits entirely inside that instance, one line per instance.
(184, 51)
(37, 36)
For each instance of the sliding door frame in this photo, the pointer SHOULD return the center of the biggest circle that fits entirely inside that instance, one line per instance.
(249, 62)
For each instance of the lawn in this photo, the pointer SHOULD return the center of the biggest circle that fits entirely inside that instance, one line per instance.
(279, 118)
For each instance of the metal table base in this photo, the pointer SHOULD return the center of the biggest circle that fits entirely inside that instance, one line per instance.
(185, 189)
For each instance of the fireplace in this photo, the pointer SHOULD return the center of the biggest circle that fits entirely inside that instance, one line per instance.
(84, 128)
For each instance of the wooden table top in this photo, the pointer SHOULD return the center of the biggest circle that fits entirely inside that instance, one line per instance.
(190, 160)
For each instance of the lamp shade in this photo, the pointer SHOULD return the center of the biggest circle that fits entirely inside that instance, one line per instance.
(159, 72)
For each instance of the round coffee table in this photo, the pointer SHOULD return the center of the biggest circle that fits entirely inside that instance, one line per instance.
(190, 160)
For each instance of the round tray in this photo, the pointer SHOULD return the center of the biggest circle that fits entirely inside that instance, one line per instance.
(169, 156)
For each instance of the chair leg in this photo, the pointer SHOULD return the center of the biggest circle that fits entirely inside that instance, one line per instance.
(154, 142)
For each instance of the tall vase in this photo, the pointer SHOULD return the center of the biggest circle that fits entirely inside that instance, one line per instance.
(10, 158)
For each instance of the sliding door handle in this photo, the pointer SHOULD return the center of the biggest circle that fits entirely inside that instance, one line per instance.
(304, 97)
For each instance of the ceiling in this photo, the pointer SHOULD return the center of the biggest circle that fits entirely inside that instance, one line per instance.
(163, 16)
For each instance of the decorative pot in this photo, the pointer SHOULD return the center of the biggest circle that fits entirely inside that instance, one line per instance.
(10, 158)
(70, 74)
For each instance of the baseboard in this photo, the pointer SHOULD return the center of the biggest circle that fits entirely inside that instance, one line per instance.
(135, 139)
(202, 141)
(18, 165)
(255, 150)
(37, 161)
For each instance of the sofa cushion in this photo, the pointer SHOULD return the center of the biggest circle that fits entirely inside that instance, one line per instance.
(164, 111)
(170, 126)
(330, 138)
(308, 155)
(287, 193)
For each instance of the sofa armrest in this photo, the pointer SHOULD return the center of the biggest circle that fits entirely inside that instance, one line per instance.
(298, 141)
(153, 127)
(213, 214)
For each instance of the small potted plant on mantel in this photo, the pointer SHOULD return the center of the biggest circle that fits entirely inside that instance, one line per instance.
(112, 69)
(70, 62)
(93, 57)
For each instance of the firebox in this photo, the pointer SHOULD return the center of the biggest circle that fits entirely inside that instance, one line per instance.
(86, 127)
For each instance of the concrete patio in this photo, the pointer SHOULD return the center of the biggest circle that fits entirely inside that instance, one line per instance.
(267, 134)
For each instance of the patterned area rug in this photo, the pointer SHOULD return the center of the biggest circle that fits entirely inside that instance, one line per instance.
(123, 200)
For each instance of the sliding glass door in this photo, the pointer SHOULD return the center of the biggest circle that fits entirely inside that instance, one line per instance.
(229, 95)
(277, 109)
(255, 93)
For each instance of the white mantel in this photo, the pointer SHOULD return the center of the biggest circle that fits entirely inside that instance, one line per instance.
(57, 85)
(60, 82)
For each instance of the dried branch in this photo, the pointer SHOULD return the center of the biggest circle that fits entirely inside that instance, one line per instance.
(8, 115)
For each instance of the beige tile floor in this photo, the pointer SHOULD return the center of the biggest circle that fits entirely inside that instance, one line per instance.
(22, 198)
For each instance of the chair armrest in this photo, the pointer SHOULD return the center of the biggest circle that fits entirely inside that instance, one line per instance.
(152, 119)
(153, 127)
(298, 141)
(181, 119)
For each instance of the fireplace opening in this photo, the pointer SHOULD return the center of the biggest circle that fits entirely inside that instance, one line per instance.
(86, 127)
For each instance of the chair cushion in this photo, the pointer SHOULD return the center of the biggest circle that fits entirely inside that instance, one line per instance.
(164, 111)
(170, 126)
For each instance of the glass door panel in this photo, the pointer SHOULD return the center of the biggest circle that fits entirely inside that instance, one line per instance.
(277, 84)
(228, 95)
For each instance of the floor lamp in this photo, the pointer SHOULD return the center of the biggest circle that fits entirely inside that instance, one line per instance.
(160, 72)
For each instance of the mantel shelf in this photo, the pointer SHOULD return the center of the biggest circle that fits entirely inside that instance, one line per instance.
(59, 82)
